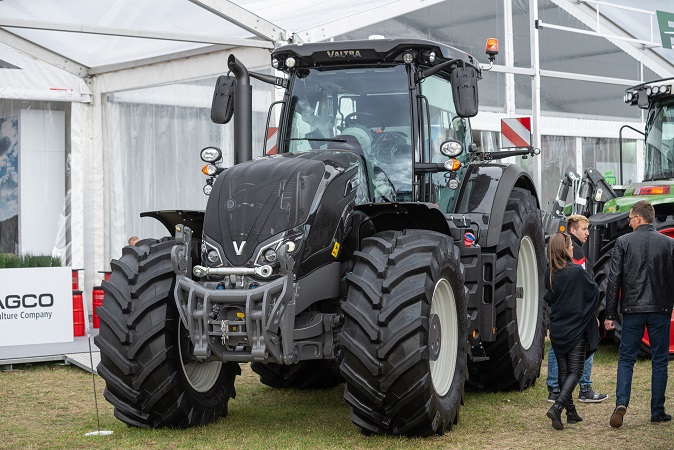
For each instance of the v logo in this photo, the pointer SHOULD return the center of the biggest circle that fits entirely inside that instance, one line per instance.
(238, 248)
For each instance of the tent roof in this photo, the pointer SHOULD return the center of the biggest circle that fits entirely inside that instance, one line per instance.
(86, 37)
(164, 27)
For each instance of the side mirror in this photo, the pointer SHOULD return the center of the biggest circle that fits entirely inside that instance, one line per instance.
(464, 87)
(642, 99)
(222, 108)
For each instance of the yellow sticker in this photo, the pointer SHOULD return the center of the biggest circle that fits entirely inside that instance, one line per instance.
(240, 315)
(335, 250)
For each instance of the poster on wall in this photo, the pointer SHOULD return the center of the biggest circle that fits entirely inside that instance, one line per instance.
(9, 184)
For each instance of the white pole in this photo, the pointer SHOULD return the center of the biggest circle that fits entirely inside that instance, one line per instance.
(535, 91)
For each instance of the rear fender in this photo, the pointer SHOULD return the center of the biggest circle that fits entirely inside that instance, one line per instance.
(484, 196)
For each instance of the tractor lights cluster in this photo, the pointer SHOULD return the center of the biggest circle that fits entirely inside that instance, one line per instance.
(632, 97)
(408, 57)
(280, 63)
(658, 90)
(428, 56)
(270, 253)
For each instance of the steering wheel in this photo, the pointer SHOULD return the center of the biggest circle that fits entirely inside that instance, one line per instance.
(390, 146)
(370, 120)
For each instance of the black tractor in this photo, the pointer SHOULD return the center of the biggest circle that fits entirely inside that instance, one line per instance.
(378, 247)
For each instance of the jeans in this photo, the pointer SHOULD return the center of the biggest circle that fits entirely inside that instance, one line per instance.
(657, 325)
(553, 373)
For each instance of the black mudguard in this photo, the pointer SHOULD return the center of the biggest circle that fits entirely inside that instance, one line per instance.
(168, 218)
(484, 195)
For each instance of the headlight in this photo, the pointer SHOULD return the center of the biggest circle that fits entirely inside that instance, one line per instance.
(211, 154)
(290, 62)
(428, 56)
(213, 256)
(270, 255)
(210, 254)
(209, 170)
(451, 148)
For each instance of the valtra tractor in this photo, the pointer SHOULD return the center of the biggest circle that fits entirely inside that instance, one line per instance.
(377, 247)
(608, 207)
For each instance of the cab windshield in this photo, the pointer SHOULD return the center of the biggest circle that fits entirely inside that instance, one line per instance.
(659, 164)
(368, 107)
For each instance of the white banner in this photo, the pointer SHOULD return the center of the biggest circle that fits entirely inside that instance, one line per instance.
(36, 306)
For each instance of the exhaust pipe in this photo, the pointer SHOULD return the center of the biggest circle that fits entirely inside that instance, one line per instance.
(243, 110)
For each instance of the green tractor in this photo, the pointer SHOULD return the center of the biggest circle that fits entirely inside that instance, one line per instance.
(608, 207)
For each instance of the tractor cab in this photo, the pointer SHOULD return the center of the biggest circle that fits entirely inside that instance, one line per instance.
(390, 101)
(658, 177)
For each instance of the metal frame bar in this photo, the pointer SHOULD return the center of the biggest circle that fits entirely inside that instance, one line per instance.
(43, 54)
(243, 18)
(106, 31)
(645, 44)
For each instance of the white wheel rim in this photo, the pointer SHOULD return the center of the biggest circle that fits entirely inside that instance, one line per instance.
(527, 281)
(201, 376)
(444, 306)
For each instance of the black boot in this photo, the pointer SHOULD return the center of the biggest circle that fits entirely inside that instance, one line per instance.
(572, 415)
(555, 414)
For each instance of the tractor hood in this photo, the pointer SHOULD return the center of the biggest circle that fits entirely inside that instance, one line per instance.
(257, 200)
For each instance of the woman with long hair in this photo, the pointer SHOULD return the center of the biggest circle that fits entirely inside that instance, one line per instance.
(574, 330)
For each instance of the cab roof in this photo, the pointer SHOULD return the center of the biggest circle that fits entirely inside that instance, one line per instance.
(367, 51)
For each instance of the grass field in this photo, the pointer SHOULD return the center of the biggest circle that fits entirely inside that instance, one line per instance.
(52, 406)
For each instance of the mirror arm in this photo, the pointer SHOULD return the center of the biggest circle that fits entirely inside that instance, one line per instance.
(435, 69)
(488, 156)
(276, 81)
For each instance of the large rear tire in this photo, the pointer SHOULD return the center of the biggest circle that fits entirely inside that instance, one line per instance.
(318, 374)
(516, 354)
(404, 335)
(151, 379)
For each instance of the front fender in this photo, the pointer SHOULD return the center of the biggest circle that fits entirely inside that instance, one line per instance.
(171, 218)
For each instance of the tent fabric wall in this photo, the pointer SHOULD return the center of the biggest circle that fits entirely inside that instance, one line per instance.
(31, 79)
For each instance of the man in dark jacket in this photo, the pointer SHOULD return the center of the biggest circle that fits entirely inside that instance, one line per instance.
(577, 226)
(641, 278)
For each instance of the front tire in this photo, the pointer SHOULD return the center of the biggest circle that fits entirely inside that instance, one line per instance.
(516, 354)
(151, 379)
(404, 335)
